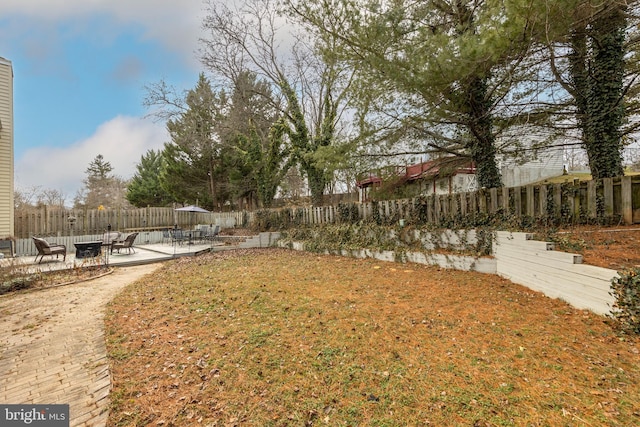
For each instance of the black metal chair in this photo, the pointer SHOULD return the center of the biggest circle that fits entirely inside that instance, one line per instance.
(212, 233)
(178, 236)
(166, 235)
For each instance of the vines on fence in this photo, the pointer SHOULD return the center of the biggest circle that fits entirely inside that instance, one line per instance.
(607, 201)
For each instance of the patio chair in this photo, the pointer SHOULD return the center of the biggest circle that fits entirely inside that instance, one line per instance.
(110, 237)
(127, 243)
(166, 235)
(46, 248)
(178, 236)
(212, 233)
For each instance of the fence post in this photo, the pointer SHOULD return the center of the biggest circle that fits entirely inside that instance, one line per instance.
(557, 201)
(627, 200)
(493, 203)
(482, 201)
(445, 206)
(576, 200)
(592, 210)
(607, 184)
(517, 200)
(531, 204)
(505, 200)
(473, 205)
(436, 209)
(543, 200)
(462, 197)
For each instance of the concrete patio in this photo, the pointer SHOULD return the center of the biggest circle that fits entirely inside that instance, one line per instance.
(144, 253)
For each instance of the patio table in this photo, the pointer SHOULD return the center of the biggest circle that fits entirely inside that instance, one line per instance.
(194, 235)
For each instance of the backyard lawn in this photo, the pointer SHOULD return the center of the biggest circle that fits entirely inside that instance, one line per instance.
(275, 337)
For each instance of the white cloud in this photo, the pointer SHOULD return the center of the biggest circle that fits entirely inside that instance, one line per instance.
(176, 24)
(122, 141)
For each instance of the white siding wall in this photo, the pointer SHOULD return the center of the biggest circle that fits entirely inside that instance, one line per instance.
(548, 164)
(6, 148)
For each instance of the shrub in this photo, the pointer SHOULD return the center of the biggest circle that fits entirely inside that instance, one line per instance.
(626, 309)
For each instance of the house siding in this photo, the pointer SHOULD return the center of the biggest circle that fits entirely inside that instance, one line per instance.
(6, 149)
(548, 164)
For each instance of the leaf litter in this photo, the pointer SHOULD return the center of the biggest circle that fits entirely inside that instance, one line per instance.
(282, 338)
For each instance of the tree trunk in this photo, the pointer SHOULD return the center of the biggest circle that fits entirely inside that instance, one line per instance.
(597, 67)
(317, 184)
(605, 145)
(482, 145)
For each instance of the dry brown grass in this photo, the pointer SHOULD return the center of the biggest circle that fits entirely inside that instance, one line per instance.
(616, 247)
(279, 338)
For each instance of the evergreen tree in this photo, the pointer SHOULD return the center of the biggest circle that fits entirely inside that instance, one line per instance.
(259, 159)
(144, 188)
(101, 188)
(443, 74)
(191, 160)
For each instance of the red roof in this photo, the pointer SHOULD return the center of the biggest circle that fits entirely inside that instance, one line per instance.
(370, 180)
(432, 168)
(428, 169)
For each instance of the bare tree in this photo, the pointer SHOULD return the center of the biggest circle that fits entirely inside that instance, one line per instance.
(164, 101)
(26, 197)
(36, 195)
(309, 91)
(51, 197)
(575, 158)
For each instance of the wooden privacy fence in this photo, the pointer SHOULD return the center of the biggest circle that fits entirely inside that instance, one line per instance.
(612, 199)
(55, 221)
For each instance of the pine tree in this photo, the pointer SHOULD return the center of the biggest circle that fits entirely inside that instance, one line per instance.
(101, 188)
(144, 188)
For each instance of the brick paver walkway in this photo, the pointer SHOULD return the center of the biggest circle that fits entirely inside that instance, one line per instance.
(52, 347)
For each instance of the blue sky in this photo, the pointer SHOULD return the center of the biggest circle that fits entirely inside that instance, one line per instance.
(80, 69)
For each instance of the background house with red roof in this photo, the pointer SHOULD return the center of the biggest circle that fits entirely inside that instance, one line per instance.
(439, 176)
(448, 175)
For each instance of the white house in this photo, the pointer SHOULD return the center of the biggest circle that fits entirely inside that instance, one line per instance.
(547, 163)
(6, 149)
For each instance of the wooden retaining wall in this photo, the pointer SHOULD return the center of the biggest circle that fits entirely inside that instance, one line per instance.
(530, 263)
(556, 274)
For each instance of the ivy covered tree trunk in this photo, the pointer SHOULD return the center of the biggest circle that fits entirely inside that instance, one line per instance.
(317, 184)
(606, 94)
(306, 146)
(475, 103)
(482, 145)
(597, 72)
(580, 80)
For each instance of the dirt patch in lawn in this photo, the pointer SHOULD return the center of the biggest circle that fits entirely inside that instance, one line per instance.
(282, 338)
